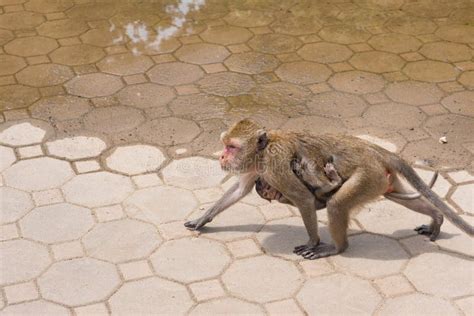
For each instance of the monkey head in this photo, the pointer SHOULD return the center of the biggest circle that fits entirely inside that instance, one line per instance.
(241, 143)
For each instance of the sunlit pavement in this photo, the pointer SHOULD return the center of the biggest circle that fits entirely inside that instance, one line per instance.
(111, 115)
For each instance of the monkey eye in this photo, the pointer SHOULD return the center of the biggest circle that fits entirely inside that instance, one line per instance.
(231, 147)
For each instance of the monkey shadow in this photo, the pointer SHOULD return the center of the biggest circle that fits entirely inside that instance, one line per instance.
(281, 239)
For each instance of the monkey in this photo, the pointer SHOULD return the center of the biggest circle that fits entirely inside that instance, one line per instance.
(368, 171)
(307, 173)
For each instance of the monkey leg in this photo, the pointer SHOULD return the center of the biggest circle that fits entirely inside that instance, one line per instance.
(422, 206)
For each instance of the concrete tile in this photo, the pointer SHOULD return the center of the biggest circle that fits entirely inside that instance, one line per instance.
(226, 84)
(94, 85)
(174, 230)
(453, 239)
(113, 119)
(22, 260)
(214, 68)
(135, 270)
(85, 166)
(168, 131)
(466, 304)
(286, 307)
(44, 75)
(316, 268)
(46, 197)
(98, 309)
(243, 248)
(135, 159)
(414, 93)
(358, 82)
(264, 284)
(325, 52)
(56, 223)
(147, 180)
(109, 213)
(125, 64)
(67, 250)
(248, 18)
(461, 176)
(8, 231)
(460, 103)
(339, 294)
(227, 305)
(78, 281)
(77, 147)
(209, 259)
(208, 195)
(202, 53)
(206, 290)
(303, 72)
(15, 204)
(377, 62)
(122, 240)
(416, 303)
(30, 151)
(22, 134)
(393, 286)
(146, 95)
(251, 62)
(430, 71)
(36, 307)
(150, 296)
(21, 292)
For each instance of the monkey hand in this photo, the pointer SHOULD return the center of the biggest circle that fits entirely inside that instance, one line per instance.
(314, 252)
(197, 223)
(331, 171)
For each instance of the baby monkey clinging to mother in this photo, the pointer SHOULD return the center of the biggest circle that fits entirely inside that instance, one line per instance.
(366, 171)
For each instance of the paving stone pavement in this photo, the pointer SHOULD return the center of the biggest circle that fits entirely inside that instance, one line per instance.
(110, 118)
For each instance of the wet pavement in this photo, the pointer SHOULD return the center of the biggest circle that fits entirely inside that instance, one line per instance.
(111, 115)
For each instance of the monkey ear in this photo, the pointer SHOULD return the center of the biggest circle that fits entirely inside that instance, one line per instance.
(262, 139)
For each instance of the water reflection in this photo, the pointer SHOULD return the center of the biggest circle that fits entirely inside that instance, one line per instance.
(140, 33)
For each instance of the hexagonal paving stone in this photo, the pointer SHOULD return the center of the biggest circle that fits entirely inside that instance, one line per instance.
(92, 11)
(460, 103)
(338, 295)
(226, 35)
(77, 55)
(467, 79)
(389, 218)
(199, 106)
(239, 221)
(372, 256)
(31, 46)
(20, 20)
(336, 104)
(17, 96)
(325, 52)
(251, 62)
(146, 95)
(168, 131)
(160, 204)
(456, 33)
(60, 108)
(395, 43)
(151, 296)
(39, 307)
(44, 75)
(248, 18)
(262, 279)
(122, 240)
(38, 174)
(401, 116)
(113, 119)
(79, 281)
(193, 173)
(57, 223)
(171, 260)
(22, 260)
(94, 85)
(417, 304)
(227, 305)
(431, 71)
(48, 6)
(296, 25)
(463, 197)
(8, 157)
(446, 51)
(303, 72)
(15, 204)
(97, 189)
(314, 125)
(10, 64)
(359, 82)
(450, 271)
(344, 34)
(135, 159)
(202, 53)
(414, 93)
(452, 238)
(377, 62)
(102, 37)
(274, 43)
(22, 134)
(450, 125)
(62, 28)
(175, 73)
(226, 84)
(125, 64)
(465, 304)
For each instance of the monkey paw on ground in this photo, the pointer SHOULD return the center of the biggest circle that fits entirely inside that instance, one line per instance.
(315, 252)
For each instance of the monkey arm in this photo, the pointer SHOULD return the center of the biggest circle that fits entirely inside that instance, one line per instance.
(236, 192)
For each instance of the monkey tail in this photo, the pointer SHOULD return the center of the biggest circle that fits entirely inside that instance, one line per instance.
(409, 173)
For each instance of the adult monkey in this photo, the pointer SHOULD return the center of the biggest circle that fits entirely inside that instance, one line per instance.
(368, 171)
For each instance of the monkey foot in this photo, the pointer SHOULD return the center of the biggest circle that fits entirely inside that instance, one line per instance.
(314, 252)
(428, 231)
(195, 224)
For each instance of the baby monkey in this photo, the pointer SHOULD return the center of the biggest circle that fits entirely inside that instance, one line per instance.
(308, 174)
